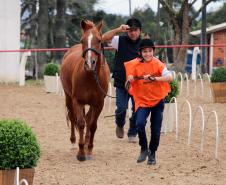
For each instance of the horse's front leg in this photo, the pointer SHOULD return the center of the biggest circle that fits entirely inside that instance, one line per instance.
(92, 127)
(88, 120)
(80, 125)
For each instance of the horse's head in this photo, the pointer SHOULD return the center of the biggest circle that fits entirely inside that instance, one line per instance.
(91, 44)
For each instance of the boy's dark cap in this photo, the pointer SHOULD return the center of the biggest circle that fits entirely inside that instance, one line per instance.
(146, 43)
(134, 23)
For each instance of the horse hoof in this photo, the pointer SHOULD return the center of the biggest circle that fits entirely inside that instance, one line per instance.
(81, 158)
(89, 157)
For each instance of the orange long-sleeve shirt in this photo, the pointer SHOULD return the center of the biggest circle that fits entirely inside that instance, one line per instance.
(146, 94)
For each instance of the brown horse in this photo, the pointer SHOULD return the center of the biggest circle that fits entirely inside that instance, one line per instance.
(85, 76)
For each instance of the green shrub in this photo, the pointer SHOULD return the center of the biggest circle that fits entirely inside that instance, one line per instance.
(18, 145)
(174, 91)
(51, 69)
(219, 75)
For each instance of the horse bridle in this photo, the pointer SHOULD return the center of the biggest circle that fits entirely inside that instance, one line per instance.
(94, 50)
(95, 71)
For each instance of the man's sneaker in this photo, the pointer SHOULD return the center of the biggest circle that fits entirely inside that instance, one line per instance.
(119, 132)
(143, 155)
(132, 139)
(151, 158)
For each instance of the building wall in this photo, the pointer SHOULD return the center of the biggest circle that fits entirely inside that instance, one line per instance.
(219, 53)
(9, 40)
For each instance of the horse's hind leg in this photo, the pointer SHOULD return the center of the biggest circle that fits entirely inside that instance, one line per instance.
(92, 128)
(71, 116)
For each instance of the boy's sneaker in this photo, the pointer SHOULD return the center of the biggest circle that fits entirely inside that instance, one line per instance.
(132, 139)
(119, 132)
(151, 158)
(143, 155)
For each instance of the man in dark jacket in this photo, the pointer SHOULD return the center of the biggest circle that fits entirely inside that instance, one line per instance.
(126, 49)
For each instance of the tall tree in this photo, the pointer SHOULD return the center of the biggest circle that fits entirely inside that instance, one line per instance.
(42, 34)
(60, 34)
(217, 17)
(181, 14)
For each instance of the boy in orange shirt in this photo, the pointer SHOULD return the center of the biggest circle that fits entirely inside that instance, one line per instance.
(147, 82)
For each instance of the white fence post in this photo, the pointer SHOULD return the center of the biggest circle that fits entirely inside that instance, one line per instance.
(22, 67)
(194, 61)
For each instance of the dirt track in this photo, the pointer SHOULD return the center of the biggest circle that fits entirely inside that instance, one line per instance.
(115, 160)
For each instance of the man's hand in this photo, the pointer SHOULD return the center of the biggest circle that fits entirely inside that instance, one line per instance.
(124, 28)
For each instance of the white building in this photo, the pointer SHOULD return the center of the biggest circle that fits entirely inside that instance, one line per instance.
(9, 40)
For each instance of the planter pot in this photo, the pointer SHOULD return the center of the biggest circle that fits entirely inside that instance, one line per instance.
(219, 92)
(168, 117)
(7, 177)
(50, 83)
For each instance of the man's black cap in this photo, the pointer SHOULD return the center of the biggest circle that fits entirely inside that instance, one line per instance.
(146, 43)
(134, 23)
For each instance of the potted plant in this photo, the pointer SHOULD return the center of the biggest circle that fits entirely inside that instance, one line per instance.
(168, 114)
(218, 84)
(18, 148)
(50, 79)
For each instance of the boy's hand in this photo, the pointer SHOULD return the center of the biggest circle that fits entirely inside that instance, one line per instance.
(130, 78)
(128, 82)
(149, 78)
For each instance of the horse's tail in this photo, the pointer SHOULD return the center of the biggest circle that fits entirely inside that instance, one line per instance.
(67, 115)
(68, 119)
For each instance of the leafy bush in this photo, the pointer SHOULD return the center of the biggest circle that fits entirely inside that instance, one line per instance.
(219, 75)
(174, 91)
(18, 145)
(51, 69)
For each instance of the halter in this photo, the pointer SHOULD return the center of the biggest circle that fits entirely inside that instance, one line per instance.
(92, 49)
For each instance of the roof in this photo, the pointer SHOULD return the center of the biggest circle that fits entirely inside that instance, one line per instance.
(210, 29)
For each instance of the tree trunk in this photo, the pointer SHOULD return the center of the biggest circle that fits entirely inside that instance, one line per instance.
(181, 20)
(43, 31)
(182, 38)
(60, 36)
(33, 41)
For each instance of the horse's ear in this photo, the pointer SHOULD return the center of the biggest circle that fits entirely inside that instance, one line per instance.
(99, 25)
(83, 24)
(86, 24)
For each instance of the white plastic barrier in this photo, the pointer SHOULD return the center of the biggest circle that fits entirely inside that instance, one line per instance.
(202, 129)
(209, 84)
(194, 60)
(190, 120)
(170, 112)
(59, 88)
(181, 82)
(217, 132)
(174, 75)
(200, 77)
(17, 178)
(187, 84)
(23, 62)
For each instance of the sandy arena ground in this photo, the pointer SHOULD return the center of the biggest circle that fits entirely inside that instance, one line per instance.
(114, 159)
